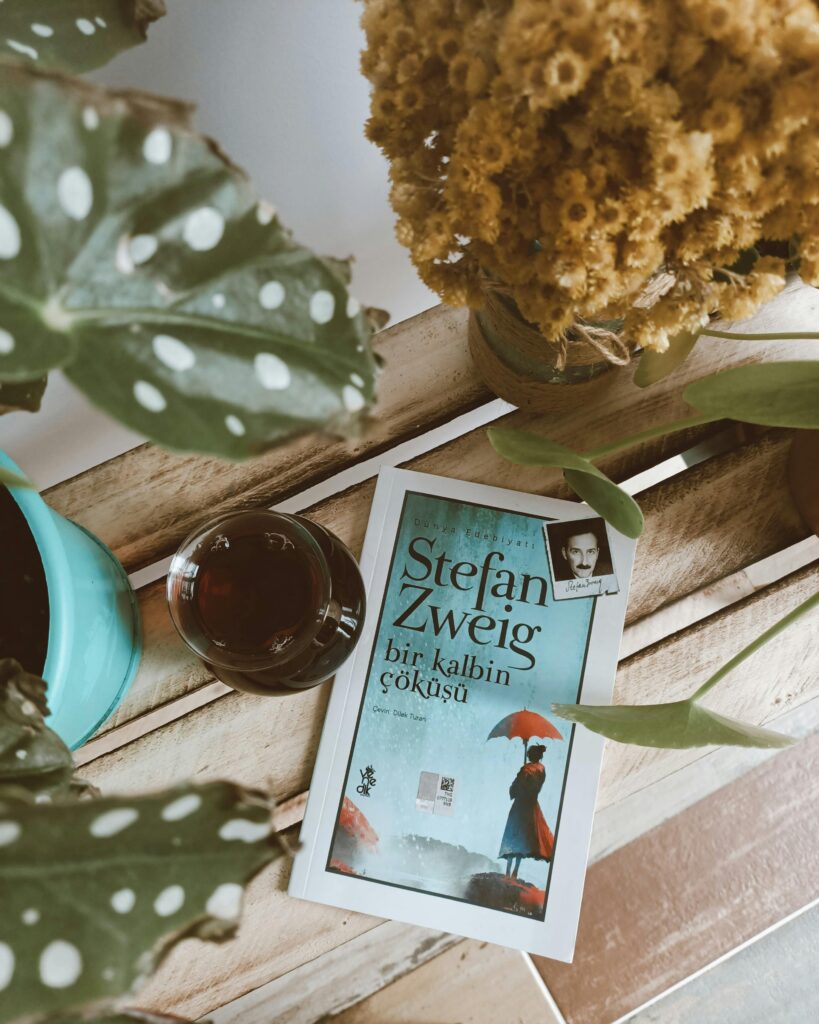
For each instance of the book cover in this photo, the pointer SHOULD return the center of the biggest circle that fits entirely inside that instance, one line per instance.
(446, 792)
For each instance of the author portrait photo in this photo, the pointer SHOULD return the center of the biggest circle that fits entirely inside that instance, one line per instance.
(579, 550)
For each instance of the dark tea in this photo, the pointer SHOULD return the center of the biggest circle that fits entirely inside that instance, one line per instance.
(272, 602)
(24, 618)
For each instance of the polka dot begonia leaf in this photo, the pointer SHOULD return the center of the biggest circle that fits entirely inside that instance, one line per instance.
(95, 893)
(74, 35)
(135, 257)
(32, 757)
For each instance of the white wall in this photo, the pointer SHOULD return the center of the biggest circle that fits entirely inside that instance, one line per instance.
(277, 83)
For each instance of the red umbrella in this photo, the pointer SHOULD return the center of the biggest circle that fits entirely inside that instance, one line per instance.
(524, 725)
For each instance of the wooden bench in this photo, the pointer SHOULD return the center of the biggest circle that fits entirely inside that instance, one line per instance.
(709, 527)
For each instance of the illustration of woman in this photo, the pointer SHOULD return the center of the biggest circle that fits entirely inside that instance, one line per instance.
(526, 833)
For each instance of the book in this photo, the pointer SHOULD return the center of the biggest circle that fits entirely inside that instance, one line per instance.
(446, 793)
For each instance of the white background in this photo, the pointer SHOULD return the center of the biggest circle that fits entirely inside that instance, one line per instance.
(277, 82)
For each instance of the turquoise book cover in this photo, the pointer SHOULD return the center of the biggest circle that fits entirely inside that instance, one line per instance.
(455, 779)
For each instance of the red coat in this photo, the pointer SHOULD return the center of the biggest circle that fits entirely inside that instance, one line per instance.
(526, 833)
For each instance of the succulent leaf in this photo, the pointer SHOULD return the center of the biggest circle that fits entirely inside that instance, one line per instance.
(136, 257)
(784, 394)
(677, 724)
(591, 484)
(74, 35)
(653, 366)
(95, 893)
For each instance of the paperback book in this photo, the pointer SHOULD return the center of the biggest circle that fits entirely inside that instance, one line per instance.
(446, 793)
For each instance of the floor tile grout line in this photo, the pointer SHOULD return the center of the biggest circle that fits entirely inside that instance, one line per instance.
(544, 989)
(719, 960)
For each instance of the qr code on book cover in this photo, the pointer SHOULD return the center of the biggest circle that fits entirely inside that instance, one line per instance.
(436, 793)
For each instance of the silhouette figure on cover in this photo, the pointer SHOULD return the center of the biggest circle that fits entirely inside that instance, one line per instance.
(526, 833)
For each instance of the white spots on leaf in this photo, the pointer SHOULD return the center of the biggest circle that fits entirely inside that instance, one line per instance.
(42, 798)
(9, 235)
(352, 398)
(158, 146)
(109, 974)
(265, 213)
(169, 900)
(9, 832)
(90, 119)
(29, 708)
(6, 129)
(60, 964)
(6, 342)
(225, 901)
(149, 396)
(244, 830)
(235, 425)
(101, 22)
(271, 295)
(88, 28)
(111, 822)
(6, 965)
(21, 754)
(43, 31)
(353, 307)
(273, 373)
(357, 379)
(24, 48)
(123, 901)
(142, 248)
(218, 301)
(204, 229)
(182, 807)
(322, 306)
(173, 353)
(30, 916)
(75, 193)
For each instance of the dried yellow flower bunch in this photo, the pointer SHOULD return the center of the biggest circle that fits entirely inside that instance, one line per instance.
(570, 150)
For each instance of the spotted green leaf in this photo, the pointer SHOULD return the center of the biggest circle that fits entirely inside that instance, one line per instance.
(74, 35)
(24, 394)
(34, 762)
(782, 394)
(137, 258)
(677, 724)
(95, 893)
(585, 479)
(653, 366)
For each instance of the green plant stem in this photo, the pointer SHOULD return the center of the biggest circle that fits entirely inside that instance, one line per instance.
(754, 645)
(759, 337)
(647, 435)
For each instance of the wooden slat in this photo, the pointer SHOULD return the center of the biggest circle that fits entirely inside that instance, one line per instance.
(144, 502)
(472, 983)
(263, 741)
(694, 514)
(684, 894)
(340, 978)
(782, 676)
(773, 979)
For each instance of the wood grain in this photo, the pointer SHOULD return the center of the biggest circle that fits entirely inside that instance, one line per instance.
(340, 978)
(694, 514)
(774, 979)
(472, 983)
(685, 893)
(144, 502)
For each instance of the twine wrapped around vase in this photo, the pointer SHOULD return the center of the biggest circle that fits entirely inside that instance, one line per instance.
(517, 361)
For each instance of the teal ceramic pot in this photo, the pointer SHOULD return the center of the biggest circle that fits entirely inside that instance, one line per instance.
(94, 636)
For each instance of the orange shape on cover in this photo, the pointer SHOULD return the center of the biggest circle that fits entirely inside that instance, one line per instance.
(524, 725)
(354, 823)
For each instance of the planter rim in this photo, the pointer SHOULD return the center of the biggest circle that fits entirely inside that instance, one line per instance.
(54, 560)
